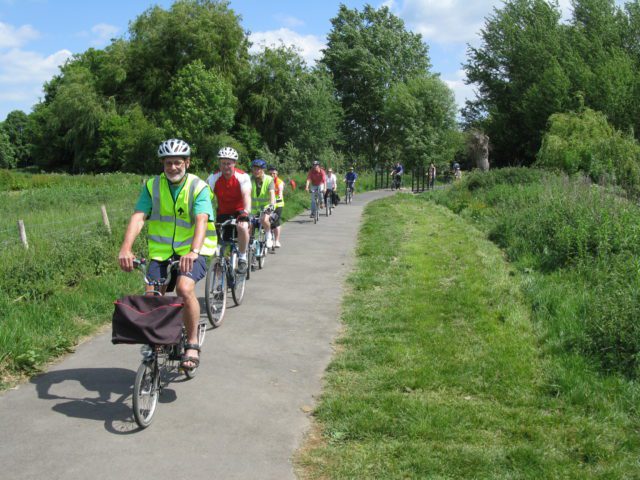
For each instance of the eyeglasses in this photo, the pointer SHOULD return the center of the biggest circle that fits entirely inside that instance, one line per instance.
(170, 162)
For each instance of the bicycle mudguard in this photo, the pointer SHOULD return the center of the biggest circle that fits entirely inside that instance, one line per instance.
(154, 320)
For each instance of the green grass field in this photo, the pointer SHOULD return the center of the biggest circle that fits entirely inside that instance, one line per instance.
(440, 372)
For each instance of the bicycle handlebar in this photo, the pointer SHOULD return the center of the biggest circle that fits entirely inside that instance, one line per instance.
(230, 221)
(141, 264)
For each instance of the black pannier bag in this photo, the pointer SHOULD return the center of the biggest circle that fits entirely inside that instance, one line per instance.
(154, 320)
(335, 199)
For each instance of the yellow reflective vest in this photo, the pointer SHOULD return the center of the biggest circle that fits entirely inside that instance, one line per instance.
(262, 198)
(172, 223)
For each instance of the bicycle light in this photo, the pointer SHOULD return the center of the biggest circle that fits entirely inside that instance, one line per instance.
(146, 351)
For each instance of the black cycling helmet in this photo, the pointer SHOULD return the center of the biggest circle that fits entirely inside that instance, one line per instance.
(316, 163)
(271, 168)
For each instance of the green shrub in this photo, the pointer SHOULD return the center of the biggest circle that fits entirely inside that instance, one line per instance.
(579, 243)
(612, 330)
(585, 142)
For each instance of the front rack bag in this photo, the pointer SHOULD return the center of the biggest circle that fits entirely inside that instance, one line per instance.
(154, 320)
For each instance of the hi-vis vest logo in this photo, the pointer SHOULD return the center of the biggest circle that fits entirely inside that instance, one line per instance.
(181, 211)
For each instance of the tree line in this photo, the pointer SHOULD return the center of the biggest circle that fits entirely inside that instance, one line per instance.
(544, 83)
(187, 72)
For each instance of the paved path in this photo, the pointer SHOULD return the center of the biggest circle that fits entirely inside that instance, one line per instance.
(242, 417)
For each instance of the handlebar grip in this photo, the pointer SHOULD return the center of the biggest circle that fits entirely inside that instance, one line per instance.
(139, 261)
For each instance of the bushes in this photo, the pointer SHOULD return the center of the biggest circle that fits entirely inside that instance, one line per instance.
(584, 243)
(585, 142)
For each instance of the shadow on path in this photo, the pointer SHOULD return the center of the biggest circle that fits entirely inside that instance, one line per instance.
(71, 393)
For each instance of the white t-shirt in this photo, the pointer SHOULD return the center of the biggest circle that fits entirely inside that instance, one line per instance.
(331, 181)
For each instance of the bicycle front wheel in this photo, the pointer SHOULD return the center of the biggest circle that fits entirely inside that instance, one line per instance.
(146, 391)
(238, 282)
(215, 293)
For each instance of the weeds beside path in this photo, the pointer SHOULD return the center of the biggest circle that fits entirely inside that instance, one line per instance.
(439, 373)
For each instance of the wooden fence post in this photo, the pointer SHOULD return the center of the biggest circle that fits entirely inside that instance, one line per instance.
(23, 234)
(105, 218)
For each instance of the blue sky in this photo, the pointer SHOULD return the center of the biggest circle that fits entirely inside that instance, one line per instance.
(36, 36)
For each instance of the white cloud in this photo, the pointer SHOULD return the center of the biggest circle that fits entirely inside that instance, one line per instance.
(11, 37)
(19, 67)
(391, 4)
(309, 46)
(462, 92)
(456, 21)
(103, 34)
(447, 21)
(288, 20)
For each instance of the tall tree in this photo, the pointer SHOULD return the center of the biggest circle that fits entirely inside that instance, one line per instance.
(421, 116)
(367, 52)
(199, 103)
(273, 76)
(520, 77)
(65, 130)
(164, 41)
(7, 150)
(314, 115)
(15, 126)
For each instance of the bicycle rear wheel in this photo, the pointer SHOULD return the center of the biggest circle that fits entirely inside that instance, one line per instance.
(263, 255)
(146, 390)
(215, 293)
(238, 281)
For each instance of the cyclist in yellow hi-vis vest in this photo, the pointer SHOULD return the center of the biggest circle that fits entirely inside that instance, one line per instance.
(262, 194)
(177, 206)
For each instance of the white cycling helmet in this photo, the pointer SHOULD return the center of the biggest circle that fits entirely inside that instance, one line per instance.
(228, 152)
(174, 148)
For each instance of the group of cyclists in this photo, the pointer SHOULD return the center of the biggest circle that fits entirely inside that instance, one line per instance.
(326, 183)
(178, 208)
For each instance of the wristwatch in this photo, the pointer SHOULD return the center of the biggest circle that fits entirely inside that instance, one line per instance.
(196, 250)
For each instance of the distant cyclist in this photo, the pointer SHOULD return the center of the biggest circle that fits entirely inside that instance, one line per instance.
(277, 214)
(316, 180)
(232, 189)
(396, 175)
(177, 207)
(332, 186)
(263, 193)
(350, 179)
(457, 173)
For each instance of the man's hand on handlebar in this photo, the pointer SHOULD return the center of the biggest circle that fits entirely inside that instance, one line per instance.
(186, 262)
(242, 216)
(125, 259)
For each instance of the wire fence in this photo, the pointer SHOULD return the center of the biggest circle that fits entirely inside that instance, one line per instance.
(70, 228)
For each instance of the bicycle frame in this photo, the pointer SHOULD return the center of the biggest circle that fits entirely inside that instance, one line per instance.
(159, 362)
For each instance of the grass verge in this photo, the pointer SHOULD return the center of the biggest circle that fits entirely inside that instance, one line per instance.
(440, 373)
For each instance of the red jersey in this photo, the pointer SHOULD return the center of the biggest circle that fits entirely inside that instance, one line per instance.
(317, 178)
(229, 192)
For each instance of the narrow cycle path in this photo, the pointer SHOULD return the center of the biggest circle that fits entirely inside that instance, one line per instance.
(244, 414)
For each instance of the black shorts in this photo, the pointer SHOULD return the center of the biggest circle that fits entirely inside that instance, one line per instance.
(158, 270)
(229, 232)
(275, 217)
